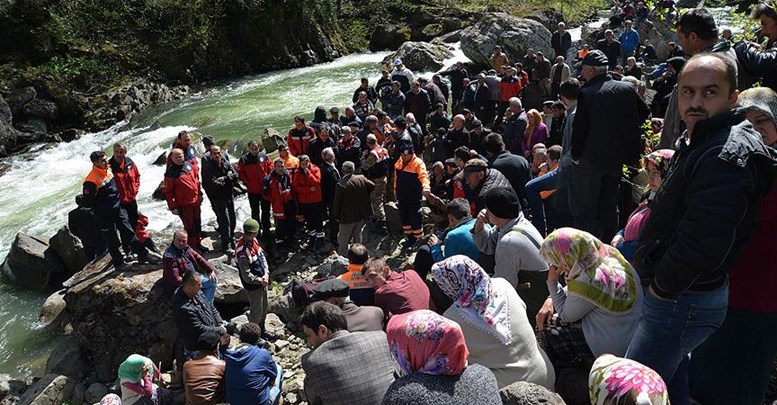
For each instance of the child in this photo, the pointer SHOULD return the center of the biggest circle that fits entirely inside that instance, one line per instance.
(142, 233)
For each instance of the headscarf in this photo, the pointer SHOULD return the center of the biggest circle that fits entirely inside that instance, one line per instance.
(132, 368)
(595, 272)
(111, 399)
(616, 380)
(474, 296)
(762, 99)
(661, 159)
(425, 342)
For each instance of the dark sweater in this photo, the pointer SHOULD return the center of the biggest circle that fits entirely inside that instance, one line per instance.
(475, 386)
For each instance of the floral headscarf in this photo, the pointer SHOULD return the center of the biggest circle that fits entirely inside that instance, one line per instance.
(595, 272)
(425, 342)
(474, 296)
(111, 399)
(661, 159)
(624, 381)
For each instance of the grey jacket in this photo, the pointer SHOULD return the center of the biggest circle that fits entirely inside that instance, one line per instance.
(349, 368)
(475, 386)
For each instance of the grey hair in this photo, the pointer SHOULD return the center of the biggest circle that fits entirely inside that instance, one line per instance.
(304, 157)
(410, 117)
(348, 167)
(327, 152)
(371, 138)
(599, 70)
(516, 101)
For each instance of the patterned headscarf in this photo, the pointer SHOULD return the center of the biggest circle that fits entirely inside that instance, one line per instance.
(425, 342)
(474, 296)
(594, 271)
(616, 380)
(661, 159)
(111, 399)
(132, 368)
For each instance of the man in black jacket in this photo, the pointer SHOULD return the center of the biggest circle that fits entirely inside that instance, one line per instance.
(457, 76)
(606, 135)
(702, 217)
(561, 40)
(515, 167)
(218, 178)
(610, 47)
(83, 224)
(193, 314)
(481, 180)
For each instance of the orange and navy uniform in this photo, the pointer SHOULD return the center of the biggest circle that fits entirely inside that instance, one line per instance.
(100, 191)
(361, 292)
(290, 162)
(299, 140)
(410, 180)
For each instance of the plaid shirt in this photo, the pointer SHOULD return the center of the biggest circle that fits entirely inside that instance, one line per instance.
(349, 368)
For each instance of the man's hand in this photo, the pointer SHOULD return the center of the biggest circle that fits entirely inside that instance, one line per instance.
(224, 339)
(545, 314)
(616, 240)
(266, 280)
(214, 276)
(433, 240)
(481, 221)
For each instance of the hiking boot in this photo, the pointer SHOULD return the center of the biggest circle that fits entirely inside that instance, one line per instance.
(130, 257)
(229, 252)
(202, 249)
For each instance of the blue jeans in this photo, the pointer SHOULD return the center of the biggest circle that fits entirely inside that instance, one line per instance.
(208, 287)
(275, 391)
(670, 329)
(546, 182)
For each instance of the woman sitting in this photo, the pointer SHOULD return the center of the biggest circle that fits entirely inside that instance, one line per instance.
(493, 319)
(432, 358)
(656, 164)
(598, 310)
(136, 375)
(614, 380)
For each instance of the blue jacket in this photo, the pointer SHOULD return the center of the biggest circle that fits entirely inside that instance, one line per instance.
(249, 373)
(629, 42)
(458, 241)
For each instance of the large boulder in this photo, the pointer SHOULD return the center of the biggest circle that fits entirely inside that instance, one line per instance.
(8, 133)
(25, 264)
(526, 393)
(514, 34)
(115, 314)
(40, 108)
(50, 390)
(68, 359)
(69, 249)
(19, 98)
(387, 36)
(421, 56)
(11, 389)
(52, 312)
(230, 289)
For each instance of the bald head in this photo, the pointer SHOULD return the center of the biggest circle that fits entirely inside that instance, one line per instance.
(707, 86)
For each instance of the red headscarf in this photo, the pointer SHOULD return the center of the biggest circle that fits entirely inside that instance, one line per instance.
(425, 342)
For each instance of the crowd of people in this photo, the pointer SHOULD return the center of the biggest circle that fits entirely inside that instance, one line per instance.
(538, 268)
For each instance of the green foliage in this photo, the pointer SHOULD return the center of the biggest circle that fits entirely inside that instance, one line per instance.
(743, 22)
(574, 12)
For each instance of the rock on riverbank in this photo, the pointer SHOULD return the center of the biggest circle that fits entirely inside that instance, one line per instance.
(514, 34)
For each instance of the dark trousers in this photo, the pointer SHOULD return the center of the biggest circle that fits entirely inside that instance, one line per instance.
(410, 217)
(225, 217)
(456, 96)
(113, 223)
(501, 107)
(255, 201)
(285, 228)
(192, 224)
(132, 217)
(334, 224)
(313, 217)
(594, 198)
